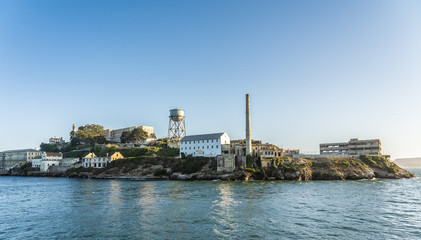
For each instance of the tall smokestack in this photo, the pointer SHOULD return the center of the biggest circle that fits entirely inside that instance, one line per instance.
(248, 131)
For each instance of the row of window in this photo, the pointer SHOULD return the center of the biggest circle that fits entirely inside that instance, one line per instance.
(96, 159)
(95, 165)
(199, 141)
(194, 148)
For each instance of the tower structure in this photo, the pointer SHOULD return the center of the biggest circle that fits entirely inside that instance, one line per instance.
(176, 128)
(73, 132)
(248, 130)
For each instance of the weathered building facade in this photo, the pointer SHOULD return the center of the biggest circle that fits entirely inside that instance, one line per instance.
(12, 158)
(114, 135)
(259, 149)
(353, 147)
(225, 163)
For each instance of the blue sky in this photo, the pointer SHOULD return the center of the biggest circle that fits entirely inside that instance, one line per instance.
(317, 71)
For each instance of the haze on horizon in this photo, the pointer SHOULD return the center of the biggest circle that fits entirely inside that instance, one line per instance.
(317, 71)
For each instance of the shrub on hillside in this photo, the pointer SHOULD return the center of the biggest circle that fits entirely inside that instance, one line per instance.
(380, 162)
(168, 152)
(189, 165)
(76, 154)
(134, 152)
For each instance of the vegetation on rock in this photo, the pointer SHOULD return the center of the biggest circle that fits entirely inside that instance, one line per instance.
(45, 147)
(249, 161)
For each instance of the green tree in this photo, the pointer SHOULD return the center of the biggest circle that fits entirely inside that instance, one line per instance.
(45, 147)
(100, 139)
(75, 142)
(67, 148)
(125, 137)
(138, 135)
(97, 149)
(90, 133)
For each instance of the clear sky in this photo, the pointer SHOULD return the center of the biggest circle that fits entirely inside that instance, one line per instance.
(317, 71)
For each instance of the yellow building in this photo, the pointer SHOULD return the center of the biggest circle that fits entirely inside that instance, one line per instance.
(91, 160)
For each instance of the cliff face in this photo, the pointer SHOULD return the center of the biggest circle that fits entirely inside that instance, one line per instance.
(351, 168)
(300, 169)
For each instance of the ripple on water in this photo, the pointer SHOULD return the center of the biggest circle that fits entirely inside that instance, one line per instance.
(76, 208)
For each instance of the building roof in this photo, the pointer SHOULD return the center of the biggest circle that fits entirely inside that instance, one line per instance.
(202, 137)
(21, 150)
(52, 154)
(116, 154)
(127, 128)
(352, 140)
(90, 155)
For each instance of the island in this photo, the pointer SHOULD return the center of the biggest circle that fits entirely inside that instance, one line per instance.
(157, 167)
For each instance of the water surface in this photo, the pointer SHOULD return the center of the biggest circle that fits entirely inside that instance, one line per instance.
(60, 208)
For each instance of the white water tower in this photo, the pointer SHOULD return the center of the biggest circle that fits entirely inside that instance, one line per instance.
(176, 128)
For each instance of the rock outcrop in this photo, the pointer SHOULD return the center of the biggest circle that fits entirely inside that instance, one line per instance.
(299, 169)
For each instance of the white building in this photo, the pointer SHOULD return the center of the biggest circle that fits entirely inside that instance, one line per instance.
(36, 162)
(205, 145)
(46, 160)
(91, 160)
(56, 141)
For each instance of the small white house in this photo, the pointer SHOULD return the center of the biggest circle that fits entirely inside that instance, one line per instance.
(36, 161)
(50, 159)
(205, 145)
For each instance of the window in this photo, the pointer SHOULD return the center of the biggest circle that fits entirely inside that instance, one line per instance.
(207, 147)
(203, 147)
(212, 146)
(216, 146)
(194, 148)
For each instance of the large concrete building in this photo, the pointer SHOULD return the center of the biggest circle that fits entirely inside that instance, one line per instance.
(352, 148)
(12, 158)
(205, 145)
(113, 135)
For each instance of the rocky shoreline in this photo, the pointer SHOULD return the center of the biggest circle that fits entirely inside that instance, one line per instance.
(297, 169)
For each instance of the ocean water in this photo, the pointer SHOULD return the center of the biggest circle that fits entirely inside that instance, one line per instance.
(60, 208)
